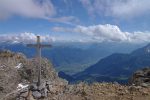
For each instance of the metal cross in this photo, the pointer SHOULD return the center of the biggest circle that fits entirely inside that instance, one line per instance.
(38, 46)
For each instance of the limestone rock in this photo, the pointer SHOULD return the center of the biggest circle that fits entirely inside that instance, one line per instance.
(25, 94)
(42, 86)
(36, 94)
(144, 85)
(141, 78)
(44, 92)
(33, 87)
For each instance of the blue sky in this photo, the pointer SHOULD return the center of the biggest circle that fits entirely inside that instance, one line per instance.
(76, 20)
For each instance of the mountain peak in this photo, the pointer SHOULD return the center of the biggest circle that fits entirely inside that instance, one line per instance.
(147, 48)
(142, 51)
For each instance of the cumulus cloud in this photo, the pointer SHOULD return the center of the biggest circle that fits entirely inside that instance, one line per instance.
(95, 33)
(117, 8)
(111, 33)
(25, 38)
(26, 8)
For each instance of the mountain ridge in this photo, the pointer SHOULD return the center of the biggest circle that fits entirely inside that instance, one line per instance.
(72, 57)
(117, 66)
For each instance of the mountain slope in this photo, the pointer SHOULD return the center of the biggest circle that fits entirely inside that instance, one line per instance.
(72, 57)
(117, 67)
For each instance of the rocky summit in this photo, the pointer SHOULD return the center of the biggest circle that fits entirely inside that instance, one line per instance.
(18, 74)
(18, 81)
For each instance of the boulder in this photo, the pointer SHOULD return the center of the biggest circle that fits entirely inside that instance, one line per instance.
(33, 87)
(42, 86)
(36, 94)
(44, 92)
(141, 78)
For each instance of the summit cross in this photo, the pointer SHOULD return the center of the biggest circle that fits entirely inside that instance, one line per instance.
(38, 46)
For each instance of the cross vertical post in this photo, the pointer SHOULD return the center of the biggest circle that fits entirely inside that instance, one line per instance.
(38, 46)
(39, 59)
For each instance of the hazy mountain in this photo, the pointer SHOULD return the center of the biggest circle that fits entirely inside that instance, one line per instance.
(116, 67)
(65, 76)
(73, 57)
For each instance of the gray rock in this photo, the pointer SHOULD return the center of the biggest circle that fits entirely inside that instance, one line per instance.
(1, 88)
(48, 82)
(42, 86)
(25, 94)
(36, 94)
(24, 90)
(49, 87)
(139, 73)
(44, 92)
(141, 78)
(133, 88)
(116, 83)
(21, 98)
(33, 87)
(144, 85)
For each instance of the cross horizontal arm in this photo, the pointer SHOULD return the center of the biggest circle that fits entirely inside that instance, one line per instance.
(41, 45)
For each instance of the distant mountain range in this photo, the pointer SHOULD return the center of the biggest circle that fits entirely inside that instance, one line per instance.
(116, 67)
(73, 57)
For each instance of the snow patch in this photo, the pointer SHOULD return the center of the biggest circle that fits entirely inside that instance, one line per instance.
(19, 66)
(2, 67)
(148, 50)
(21, 86)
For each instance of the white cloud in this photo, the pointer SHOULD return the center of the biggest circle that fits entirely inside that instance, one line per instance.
(25, 38)
(26, 8)
(32, 38)
(43, 9)
(111, 33)
(89, 6)
(117, 8)
(61, 29)
(65, 19)
(95, 33)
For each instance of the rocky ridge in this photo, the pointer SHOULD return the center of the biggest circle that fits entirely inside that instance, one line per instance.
(17, 73)
(96, 91)
(18, 82)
